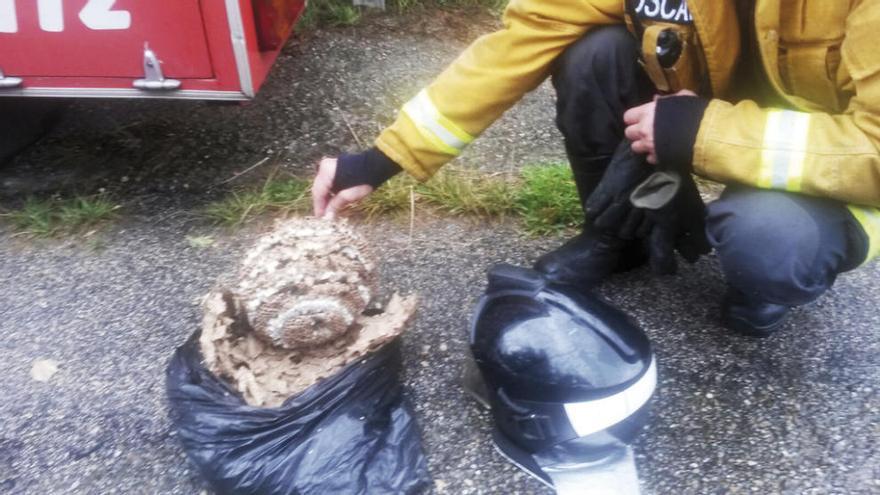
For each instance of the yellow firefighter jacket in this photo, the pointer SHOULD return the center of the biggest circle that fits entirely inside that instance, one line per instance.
(820, 57)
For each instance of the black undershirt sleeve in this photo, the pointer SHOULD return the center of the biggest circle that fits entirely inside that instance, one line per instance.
(371, 167)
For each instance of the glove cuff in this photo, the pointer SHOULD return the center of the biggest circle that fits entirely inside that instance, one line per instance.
(676, 123)
(371, 167)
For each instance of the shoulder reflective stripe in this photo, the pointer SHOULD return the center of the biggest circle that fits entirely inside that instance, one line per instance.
(869, 218)
(595, 415)
(785, 144)
(441, 132)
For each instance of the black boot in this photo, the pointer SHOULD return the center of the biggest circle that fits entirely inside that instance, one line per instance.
(747, 316)
(590, 257)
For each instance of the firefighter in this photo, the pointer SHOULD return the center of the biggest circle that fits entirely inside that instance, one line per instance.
(777, 99)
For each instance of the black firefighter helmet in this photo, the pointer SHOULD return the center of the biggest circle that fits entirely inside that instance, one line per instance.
(567, 376)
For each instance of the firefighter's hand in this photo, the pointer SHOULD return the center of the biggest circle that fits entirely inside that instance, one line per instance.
(325, 203)
(640, 127)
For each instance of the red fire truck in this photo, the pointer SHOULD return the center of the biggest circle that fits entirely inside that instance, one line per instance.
(187, 49)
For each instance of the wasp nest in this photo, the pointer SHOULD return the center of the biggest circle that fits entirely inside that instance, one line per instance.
(304, 284)
(295, 313)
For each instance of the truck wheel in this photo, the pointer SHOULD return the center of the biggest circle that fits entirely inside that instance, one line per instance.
(24, 121)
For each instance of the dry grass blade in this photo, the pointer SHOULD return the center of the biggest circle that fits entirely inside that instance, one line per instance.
(391, 199)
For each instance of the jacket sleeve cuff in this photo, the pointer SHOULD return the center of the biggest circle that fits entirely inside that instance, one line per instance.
(371, 167)
(676, 124)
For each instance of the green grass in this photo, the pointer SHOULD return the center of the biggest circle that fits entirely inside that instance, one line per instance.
(54, 216)
(543, 197)
(324, 13)
(548, 200)
(285, 195)
(407, 5)
(467, 193)
(452, 191)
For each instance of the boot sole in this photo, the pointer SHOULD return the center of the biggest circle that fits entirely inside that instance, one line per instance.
(743, 327)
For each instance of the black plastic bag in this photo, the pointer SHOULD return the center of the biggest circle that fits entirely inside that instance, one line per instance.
(352, 433)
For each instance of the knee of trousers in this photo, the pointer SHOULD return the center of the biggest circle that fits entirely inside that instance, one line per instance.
(778, 247)
(598, 78)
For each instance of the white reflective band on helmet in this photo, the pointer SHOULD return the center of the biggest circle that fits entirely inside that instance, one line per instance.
(596, 415)
(785, 145)
(441, 132)
(869, 218)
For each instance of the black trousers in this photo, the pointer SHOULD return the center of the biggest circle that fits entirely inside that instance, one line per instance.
(774, 246)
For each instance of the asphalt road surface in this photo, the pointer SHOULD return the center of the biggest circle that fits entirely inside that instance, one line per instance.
(798, 413)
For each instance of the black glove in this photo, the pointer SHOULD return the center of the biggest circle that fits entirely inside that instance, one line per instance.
(635, 201)
(675, 210)
(670, 196)
(609, 207)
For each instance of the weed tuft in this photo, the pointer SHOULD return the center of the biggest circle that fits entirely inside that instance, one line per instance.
(54, 216)
(34, 218)
(460, 192)
(288, 195)
(83, 212)
(452, 191)
(548, 200)
(323, 13)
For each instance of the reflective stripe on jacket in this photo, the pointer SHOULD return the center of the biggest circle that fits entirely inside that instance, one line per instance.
(818, 56)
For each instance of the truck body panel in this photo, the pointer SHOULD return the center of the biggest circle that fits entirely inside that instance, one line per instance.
(206, 49)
